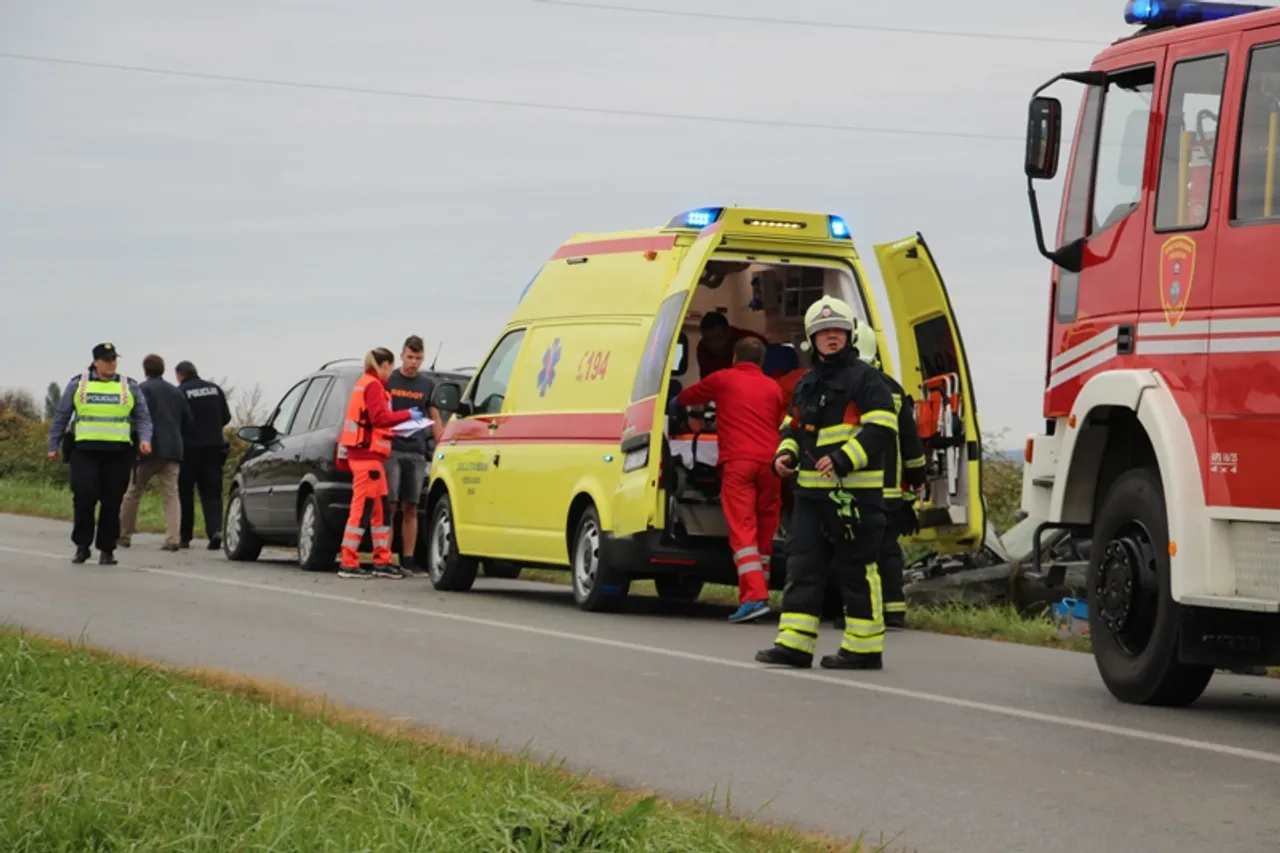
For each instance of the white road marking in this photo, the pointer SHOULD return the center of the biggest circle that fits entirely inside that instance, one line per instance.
(905, 693)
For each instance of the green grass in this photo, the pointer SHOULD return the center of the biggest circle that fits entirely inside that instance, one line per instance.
(45, 500)
(99, 754)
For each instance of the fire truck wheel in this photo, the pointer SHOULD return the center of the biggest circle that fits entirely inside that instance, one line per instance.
(449, 570)
(1132, 617)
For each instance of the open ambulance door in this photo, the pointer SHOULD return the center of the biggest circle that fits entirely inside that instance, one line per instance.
(637, 505)
(935, 372)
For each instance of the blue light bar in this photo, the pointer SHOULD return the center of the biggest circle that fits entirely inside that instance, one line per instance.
(838, 227)
(698, 218)
(1181, 13)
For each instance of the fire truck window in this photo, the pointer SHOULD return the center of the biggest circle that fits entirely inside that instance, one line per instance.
(1117, 185)
(1257, 195)
(1190, 142)
(1076, 222)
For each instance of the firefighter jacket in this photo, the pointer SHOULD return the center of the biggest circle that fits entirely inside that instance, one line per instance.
(842, 408)
(366, 428)
(904, 463)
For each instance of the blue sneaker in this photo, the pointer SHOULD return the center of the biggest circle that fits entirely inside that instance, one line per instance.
(750, 610)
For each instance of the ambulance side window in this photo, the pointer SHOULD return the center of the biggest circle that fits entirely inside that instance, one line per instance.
(1190, 143)
(652, 375)
(491, 385)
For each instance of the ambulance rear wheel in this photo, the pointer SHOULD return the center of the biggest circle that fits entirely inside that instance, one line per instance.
(449, 571)
(597, 585)
(1133, 619)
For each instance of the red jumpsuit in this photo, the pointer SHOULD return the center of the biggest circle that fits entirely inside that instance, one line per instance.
(366, 442)
(749, 412)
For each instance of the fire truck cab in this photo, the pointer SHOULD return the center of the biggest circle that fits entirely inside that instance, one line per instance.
(1162, 365)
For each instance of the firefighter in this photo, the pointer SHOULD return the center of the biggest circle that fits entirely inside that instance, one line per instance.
(749, 407)
(366, 441)
(904, 466)
(834, 438)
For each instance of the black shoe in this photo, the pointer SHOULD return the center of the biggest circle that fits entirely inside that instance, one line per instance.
(783, 656)
(81, 555)
(215, 542)
(388, 571)
(106, 558)
(185, 543)
(848, 660)
(412, 569)
(895, 620)
(359, 572)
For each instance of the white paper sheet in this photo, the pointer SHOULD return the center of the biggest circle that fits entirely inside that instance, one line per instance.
(411, 426)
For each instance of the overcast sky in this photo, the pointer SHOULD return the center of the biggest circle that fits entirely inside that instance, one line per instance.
(260, 230)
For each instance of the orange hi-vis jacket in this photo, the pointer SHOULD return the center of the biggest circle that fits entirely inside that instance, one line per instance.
(366, 428)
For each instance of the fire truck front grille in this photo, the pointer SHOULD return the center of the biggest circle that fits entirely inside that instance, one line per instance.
(1255, 549)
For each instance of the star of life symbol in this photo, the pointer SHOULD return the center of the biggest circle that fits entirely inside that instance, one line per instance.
(547, 375)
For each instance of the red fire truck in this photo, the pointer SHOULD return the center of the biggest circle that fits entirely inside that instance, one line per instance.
(1162, 369)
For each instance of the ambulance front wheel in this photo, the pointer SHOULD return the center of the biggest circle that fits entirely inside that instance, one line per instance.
(598, 585)
(449, 570)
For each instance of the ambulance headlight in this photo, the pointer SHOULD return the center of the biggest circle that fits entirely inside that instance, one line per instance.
(635, 460)
(839, 228)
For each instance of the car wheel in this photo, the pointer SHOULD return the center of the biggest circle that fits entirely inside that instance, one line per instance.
(675, 588)
(318, 543)
(1133, 619)
(239, 542)
(504, 569)
(449, 570)
(597, 586)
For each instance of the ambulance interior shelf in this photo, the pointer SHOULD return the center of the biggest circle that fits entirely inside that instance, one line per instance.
(939, 418)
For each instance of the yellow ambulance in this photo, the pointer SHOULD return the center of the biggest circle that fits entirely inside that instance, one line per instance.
(562, 453)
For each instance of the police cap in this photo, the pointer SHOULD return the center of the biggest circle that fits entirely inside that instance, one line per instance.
(106, 352)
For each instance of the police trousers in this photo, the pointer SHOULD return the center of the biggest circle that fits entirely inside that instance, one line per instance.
(99, 479)
(820, 549)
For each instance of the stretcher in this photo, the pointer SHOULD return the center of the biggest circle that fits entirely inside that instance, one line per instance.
(690, 447)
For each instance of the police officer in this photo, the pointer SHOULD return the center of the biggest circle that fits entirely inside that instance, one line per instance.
(840, 423)
(205, 451)
(904, 465)
(109, 409)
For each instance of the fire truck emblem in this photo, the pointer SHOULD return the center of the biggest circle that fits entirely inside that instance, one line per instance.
(1177, 270)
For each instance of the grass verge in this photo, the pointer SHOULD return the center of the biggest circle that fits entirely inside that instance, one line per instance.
(46, 500)
(101, 753)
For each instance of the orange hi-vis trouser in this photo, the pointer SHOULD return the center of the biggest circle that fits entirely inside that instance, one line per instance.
(368, 510)
(751, 496)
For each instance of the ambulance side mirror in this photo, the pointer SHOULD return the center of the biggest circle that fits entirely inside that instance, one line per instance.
(447, 397)
(1044, 138)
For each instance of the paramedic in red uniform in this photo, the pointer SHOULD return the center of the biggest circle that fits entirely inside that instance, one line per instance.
(749, 411)
(716, 346)
(366, 437)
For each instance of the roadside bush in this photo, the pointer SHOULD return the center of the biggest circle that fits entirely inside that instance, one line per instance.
(22, 451)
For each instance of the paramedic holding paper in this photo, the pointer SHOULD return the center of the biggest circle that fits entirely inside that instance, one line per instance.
(366, 437)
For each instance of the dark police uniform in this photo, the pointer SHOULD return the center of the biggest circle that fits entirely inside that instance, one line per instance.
(842, 408)
(205, 452)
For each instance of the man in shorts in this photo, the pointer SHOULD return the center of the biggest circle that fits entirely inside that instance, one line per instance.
(407, 466)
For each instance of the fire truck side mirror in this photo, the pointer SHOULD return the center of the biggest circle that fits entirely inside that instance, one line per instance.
(1044, 137)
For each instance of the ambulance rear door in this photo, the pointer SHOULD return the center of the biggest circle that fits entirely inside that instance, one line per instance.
(637, 504)
(935, 372)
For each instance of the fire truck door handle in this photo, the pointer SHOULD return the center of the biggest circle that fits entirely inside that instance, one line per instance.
(1124, 340)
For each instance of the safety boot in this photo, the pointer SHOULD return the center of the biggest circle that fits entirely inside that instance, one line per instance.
(81, 555)
(783, 656)
(106, 558)
(848, 660)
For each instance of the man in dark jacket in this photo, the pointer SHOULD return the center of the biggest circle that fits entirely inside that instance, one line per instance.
(170, 416)
(206, 450)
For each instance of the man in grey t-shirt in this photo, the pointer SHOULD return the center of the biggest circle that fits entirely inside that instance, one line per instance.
(407, 466)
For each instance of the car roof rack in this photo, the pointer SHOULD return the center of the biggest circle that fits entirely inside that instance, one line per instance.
(338, 361)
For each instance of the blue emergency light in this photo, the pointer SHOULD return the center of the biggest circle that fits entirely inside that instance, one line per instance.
(1180, 13)
(838, 227)
(697, 218)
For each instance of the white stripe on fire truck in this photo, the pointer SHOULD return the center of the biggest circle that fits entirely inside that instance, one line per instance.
(1098, 359)
(1080, 350)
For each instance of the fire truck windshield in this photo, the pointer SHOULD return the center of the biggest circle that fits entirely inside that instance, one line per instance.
(1121, 146)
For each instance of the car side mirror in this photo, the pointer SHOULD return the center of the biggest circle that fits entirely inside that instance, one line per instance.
(1044, 138)
(447, 397)
(257, 434)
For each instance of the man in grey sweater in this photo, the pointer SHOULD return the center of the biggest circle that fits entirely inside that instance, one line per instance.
(170, 416)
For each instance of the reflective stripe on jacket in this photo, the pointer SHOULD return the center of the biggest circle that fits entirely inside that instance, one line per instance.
(102, 409)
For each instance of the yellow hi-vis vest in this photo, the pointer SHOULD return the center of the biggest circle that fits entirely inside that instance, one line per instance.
(102, 409)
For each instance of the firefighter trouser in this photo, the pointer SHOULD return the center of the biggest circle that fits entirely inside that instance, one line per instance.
(368, 512)
(818, 545)
(751, 495)
(891, 564)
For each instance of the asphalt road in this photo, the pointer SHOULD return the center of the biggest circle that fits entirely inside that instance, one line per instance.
(959, 746)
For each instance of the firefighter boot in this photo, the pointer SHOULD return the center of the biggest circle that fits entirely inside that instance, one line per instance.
(783, 656)
(849, 660)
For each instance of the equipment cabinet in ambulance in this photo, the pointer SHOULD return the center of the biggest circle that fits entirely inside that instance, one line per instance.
(563, 453)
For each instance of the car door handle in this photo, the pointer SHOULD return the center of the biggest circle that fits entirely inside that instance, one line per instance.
(493, 425)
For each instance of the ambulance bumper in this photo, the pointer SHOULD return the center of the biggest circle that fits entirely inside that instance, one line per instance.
(653, 554)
